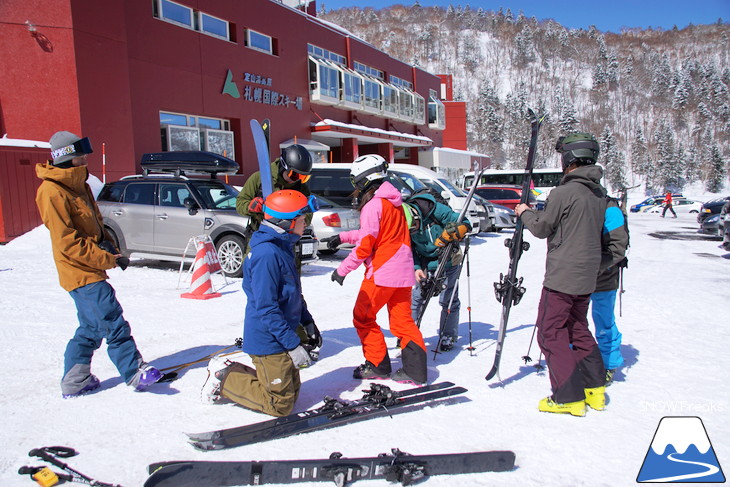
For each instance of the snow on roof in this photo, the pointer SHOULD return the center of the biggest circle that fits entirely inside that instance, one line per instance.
(391, 133)
(7, 142)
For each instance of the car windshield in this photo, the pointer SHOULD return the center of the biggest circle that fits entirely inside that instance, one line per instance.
(217, 195)
(451, 187)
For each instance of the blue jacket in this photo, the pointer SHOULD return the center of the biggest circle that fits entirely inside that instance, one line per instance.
(274, 306)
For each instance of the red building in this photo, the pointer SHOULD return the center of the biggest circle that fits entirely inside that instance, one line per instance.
(139, 76)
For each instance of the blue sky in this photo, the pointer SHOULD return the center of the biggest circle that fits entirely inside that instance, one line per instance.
(606, 15)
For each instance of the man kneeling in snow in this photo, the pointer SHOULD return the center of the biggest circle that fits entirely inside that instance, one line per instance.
(274, 310)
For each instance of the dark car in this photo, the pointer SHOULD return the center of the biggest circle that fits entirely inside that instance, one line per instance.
(156, 215)
(710, 208)
(505, 195)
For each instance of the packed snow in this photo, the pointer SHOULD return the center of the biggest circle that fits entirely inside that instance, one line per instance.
(674, 323)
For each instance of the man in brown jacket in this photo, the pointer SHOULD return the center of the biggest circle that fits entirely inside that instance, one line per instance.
(82, 253)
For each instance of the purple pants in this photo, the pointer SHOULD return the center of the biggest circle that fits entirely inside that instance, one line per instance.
(572, 355)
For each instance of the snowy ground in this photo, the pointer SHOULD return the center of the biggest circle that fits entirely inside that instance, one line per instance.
(675, 326)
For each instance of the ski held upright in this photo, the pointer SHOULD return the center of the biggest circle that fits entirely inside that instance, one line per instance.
(509, 290)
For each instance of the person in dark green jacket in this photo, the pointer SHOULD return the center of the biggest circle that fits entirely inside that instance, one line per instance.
(431, 221)
(290, 171)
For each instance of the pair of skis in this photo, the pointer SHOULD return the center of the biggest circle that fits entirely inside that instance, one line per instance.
(394, 467)
(379, 400)
(509, 290)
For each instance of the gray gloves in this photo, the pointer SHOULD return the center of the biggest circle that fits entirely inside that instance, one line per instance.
(300, 357)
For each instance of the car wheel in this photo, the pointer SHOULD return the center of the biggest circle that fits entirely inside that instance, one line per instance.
(231, 251)
(693, 212)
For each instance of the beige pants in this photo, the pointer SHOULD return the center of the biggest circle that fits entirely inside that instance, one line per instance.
(272, 388)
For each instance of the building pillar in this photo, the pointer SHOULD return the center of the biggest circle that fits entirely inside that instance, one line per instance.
(349, 150)
(386, 151)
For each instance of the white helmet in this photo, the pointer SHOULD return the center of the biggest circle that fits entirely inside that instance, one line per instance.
(366, 169)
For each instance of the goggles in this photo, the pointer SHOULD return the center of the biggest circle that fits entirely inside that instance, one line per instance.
(78, 148)
(312, 206)
(295, 176)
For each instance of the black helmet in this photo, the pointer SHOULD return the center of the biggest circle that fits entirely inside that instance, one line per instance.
(296, 158)
(580, 147)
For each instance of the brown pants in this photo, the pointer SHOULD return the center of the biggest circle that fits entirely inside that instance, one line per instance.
(272, 388)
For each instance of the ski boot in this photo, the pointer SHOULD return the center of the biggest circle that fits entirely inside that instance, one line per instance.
(596, 398)
(547, 405)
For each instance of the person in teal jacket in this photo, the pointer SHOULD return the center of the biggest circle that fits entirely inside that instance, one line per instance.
(431, 221)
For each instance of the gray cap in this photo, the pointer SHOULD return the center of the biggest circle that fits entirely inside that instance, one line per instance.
(65, 146)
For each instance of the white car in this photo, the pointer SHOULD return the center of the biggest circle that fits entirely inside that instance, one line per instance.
(680, 205)
(331, 219)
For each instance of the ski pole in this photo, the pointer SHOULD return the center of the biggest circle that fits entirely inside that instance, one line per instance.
(468, 294)
(50, 454)
(526, 358)
(176, 368)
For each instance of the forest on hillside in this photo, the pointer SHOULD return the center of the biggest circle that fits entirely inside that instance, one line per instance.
(657, 100)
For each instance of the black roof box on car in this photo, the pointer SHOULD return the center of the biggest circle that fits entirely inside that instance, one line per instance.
(180, 162)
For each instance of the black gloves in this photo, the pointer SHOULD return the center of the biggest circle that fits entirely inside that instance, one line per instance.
(314, 338)
(332, 242)
(337, 278)
(122, 262)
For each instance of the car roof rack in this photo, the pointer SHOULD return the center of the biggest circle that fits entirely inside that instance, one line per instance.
(181, 162)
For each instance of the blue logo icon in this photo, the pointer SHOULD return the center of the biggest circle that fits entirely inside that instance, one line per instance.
(681, 452)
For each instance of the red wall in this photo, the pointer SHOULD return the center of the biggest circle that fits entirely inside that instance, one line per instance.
(18, 185)
(455, 133)
(114, 67)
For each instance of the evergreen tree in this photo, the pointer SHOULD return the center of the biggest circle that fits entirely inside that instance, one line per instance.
(640, 161)
(717, 174)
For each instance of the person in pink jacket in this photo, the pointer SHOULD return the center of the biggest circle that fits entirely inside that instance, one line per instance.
(383, 245)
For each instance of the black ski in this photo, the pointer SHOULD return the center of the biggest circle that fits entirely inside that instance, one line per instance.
(380, 400)
(509, 290)
(395, 467)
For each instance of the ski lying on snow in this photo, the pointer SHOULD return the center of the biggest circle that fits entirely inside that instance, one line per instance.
(379, 400)
(395, 467)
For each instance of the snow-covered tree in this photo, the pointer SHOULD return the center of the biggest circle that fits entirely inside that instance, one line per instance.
(718, 173)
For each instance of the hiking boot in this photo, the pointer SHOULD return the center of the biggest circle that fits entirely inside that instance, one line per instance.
(369, 371)
(447, 343)
(146, 376)
(596, 398)
(403, 378)
(547, 405)
(210, 393)
(609, 376)
(91, 386)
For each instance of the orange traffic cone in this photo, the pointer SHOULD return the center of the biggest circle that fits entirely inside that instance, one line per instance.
(201, 287)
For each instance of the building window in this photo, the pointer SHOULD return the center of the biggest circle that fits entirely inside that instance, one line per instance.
(401, 82)
(405, 105)
(372, 96)
(370, 71)
(390, 100)
(214, 26)
(184, 16)
(191, 132)
(324, 82)
(260, 42)
(436, 112)
(320, 53)
(419, 110)
(352, 89)
(176, 13)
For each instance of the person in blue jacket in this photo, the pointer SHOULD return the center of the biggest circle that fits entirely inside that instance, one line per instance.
(274, 310)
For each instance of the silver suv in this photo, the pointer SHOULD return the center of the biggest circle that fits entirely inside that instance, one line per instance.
(155, 215)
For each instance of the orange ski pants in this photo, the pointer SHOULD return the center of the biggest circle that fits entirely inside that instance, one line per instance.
(370, 299)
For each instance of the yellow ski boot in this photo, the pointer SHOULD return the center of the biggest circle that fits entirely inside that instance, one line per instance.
(547, 405)
(596, 398)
